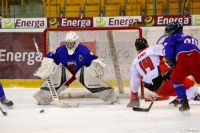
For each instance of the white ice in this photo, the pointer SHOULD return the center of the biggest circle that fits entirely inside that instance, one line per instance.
(94, 116)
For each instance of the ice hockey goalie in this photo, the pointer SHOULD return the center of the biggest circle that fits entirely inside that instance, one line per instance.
(70, 62)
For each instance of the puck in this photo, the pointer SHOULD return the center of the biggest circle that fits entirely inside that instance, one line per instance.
(42, 111)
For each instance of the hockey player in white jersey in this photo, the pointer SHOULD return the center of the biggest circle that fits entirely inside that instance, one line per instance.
(73, 61)
(149, 67)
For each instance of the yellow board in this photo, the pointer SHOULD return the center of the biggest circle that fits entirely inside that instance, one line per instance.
(36, 83)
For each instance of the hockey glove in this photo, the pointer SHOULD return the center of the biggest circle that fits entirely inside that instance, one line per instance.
(166, 75)
(46, 69)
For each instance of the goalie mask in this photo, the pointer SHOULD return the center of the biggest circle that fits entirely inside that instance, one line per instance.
(71, 42)
(173, 28)
(141, 43)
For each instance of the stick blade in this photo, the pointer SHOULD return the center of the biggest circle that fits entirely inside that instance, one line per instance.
(143, 109)
(5, 113)
(140, 109)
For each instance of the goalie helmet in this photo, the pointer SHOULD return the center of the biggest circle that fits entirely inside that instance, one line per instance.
(71, 40)
(141, 43)
(173, 28)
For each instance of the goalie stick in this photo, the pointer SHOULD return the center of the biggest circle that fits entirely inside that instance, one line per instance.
(52, 89)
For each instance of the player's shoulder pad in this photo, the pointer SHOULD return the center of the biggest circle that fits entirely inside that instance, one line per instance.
(62, 47)
(83, 48)
(157, 50)
(139, 57)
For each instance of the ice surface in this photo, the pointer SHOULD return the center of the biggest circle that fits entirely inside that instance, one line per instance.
(94, 116)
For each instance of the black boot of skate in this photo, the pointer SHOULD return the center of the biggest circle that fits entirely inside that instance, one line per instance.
(7, 102)
(174, 103)
(184, 104)
(197, 98)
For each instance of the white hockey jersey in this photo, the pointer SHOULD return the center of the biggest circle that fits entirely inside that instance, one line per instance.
(145, 66)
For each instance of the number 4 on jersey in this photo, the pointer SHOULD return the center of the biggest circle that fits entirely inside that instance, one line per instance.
(146, 63)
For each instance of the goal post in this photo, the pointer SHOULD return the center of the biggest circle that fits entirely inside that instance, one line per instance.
(115, 45)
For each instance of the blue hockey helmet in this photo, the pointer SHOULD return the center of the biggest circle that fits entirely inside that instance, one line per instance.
(141, 43)
(173, 28)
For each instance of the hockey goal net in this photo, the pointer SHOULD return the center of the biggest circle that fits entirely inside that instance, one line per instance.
(115, 45)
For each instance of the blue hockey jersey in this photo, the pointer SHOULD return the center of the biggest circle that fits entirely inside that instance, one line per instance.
(81, 57)
(179, 43)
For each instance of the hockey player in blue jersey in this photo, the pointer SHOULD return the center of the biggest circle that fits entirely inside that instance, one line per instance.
(182, 53)
(3, 98)
(73, 61)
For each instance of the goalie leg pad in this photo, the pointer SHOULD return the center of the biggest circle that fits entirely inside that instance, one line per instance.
(43, 97)
(109, 96)
(97, 86)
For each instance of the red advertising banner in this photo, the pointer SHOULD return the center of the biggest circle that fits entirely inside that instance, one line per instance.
(18, 58)
(164, 20)
(69, 22)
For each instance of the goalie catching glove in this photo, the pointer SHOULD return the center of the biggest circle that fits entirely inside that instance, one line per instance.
(46, 69)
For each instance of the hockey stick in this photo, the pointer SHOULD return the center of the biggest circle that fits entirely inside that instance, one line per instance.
(52, 89)
(144, 109)
(160, 40)
(184, 9)
(3, 112)
(154, 98)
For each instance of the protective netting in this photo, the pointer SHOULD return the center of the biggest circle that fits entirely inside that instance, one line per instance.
(97, 41)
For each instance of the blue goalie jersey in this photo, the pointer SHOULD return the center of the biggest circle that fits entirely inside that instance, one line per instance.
(81, 57)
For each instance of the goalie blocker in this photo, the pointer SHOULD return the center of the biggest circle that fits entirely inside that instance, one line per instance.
(87, 76)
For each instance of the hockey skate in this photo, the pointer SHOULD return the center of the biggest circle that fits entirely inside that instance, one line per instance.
(7, 102)
(174, 103)
(197, 98)
(133, 102)
(184, 104)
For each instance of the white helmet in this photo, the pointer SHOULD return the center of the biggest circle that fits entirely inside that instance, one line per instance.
(71, 37)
